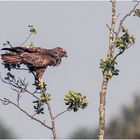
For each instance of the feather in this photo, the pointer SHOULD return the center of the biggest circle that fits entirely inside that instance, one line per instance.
(37, 59)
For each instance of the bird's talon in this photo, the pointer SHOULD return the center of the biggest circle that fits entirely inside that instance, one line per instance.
(41, 85)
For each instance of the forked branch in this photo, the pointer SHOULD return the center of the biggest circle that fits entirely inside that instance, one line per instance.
(127, 15)
(108, 65)
(6, 101)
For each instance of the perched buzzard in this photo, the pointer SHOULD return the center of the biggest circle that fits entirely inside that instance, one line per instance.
(35, 58)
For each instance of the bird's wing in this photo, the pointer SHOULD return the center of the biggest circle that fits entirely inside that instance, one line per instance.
(25, 49)
(10, 58)
(50, 52)
(37, 60)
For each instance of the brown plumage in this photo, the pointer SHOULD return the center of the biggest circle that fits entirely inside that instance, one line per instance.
(36, 58)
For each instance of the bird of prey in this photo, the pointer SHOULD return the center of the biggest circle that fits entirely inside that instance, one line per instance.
(35, 58)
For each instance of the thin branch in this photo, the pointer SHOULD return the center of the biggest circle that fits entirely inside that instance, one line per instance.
(121, 52)
(62, 113)
(13, 82)
(25, 112)
(110, 29)
(19, 87)
(18, 96)
(4, 102)
(34, 114)
(8, 43)
(26, 39)
(124, 18)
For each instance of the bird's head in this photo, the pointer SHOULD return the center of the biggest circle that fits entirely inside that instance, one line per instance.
(61, 52)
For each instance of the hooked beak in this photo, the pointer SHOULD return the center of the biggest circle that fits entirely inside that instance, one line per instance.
(65, 55)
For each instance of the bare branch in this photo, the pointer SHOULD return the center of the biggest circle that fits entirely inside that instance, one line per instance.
(23, 89)
(25, 112)
(4, 102)
(18, 95)
(124, 18)
(14, 83)
(110, 29)
(26, 39)
(62, 113)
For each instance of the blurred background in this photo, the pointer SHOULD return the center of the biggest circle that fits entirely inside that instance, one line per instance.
(80, 28)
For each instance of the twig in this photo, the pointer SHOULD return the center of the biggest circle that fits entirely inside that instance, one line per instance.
(118, 55)
(34, 114)
(18, 95)
(25, 112)
(124, 18)
(4, 102)
(13, 82)
(8, 42)
(16, 86)
(26, 39)
(61, 113)
(110, 29)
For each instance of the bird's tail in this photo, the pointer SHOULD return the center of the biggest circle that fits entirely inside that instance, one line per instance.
(18, 49)
(10, 58)
(10, 49)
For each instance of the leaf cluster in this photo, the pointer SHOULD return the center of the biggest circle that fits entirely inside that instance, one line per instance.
(15, 82)
(137, 12)
(38, 107)
(10, 66)
(125, 41)
(32, 29)
(121, 43)
(39, 104)
(108, 67)
(7, 43)
(75, 101)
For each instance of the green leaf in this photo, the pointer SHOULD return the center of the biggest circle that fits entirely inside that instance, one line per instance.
(32, 29)
(75, 100)
(137, 12)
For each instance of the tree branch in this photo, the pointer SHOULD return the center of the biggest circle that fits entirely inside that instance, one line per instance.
(113, 35)
(105, 79)
(14, 83)
(26, 39)
(52, 120)
(124, 18)
(25, 112)
(59, 114)
(112, 30)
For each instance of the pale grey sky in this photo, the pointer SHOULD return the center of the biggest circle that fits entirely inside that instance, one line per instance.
(80, 28)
